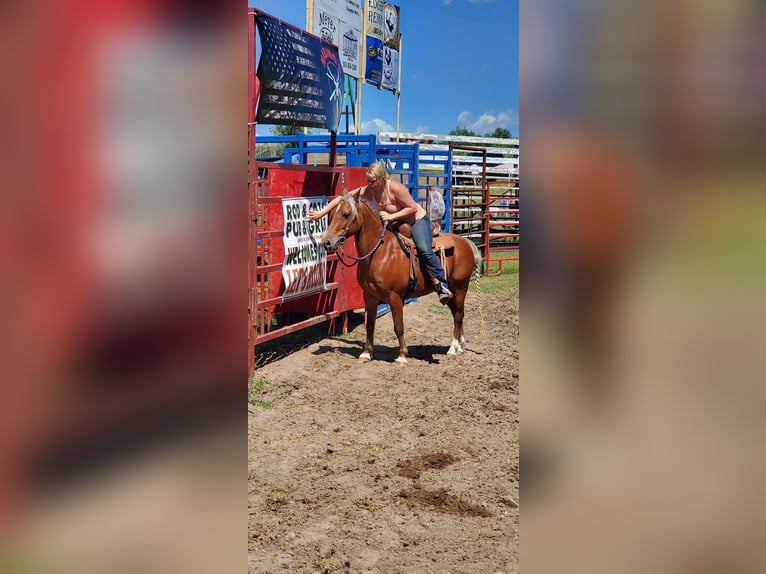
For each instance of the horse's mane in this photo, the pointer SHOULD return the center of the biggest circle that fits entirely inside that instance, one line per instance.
(348, 198)
(355, 201)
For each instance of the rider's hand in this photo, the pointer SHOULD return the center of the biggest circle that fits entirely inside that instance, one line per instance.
(312, 215)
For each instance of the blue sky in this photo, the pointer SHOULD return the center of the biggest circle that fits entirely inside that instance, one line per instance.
(460, 66)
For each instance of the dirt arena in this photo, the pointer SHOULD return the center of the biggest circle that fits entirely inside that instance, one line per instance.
(380, 468)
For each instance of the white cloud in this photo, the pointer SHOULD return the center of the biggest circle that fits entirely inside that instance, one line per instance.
(505, 118)
(464, 119)
(375, 126)
(421, 130)
(488, 121)
(447, 2)
(485, 123)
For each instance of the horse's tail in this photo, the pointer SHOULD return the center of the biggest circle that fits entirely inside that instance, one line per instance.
(477, 260)
(477, 263)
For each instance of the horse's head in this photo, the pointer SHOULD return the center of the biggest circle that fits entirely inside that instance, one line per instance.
(345, 221)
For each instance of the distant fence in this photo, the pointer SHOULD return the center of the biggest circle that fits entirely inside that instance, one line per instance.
(407, 163)
(484, 190)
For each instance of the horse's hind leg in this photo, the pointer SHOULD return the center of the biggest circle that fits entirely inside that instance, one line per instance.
(397, 314)
(456, 306)
(371, 313)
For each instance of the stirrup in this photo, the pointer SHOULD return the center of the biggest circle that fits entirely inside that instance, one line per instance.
(444, 294)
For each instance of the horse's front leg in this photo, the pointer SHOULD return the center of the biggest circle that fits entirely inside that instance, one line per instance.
(457, 305)
(397, 313)
(370, 314)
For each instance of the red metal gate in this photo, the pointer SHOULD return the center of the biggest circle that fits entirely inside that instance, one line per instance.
(271, 314)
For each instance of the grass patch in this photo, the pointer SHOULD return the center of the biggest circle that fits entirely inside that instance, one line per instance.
(352, 336)
(438, 309)
(256, 387)
(498, 283)
(508, 277)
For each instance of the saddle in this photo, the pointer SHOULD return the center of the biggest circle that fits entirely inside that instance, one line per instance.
(440, 244)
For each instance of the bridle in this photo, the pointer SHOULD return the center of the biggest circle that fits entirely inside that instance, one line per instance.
(341, 254)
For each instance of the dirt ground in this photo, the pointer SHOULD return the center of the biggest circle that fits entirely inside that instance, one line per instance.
(381, 468)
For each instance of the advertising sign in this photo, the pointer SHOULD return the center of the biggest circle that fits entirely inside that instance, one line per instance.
(304, 268)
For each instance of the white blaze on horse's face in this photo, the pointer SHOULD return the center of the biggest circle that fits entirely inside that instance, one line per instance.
(337, 232)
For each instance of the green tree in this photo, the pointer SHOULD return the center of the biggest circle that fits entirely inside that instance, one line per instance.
(276, 150)
(499, 133)
(458, 131)
(286, 130)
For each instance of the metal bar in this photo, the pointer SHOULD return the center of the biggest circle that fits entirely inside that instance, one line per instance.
(286, 330)
(252, 176)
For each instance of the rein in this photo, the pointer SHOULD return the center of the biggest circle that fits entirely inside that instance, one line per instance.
(340, 253)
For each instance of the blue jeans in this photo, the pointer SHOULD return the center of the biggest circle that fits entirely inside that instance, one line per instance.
(423, 238)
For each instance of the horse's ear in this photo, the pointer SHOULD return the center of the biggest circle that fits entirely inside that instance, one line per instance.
(351, 197)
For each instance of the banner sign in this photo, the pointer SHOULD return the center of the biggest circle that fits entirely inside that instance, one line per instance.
(327, 20)
(350, 41)
(373, 19)
(390, 80)
(373, 42)
(338, 21)
(391, 33)
(373, 70)
(382, 45)
(301, 77)
(304, 268)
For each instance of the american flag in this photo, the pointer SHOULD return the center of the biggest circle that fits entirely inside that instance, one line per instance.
(301, 77)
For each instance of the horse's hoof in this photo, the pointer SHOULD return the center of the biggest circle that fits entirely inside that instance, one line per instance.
(364, 357)
(402, 361)
(452, 352)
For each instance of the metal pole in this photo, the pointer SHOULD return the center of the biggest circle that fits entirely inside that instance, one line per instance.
(310, 29)
(358, 116)
(362, 72)
(398, 106)
(399, 88)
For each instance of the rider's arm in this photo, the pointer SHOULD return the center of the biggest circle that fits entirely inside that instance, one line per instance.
(314, 215)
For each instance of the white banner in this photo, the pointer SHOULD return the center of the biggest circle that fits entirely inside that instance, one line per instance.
(326, 21)
(373, 24)
(390, 79)
(304, 267)
(339, 22)
(391, 34)
(350, 48)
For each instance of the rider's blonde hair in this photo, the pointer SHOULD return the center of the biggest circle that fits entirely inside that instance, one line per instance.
(378, 171)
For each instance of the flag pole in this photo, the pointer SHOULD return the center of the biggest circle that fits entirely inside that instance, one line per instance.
(399, 87)
(362, 72)
(310, 30)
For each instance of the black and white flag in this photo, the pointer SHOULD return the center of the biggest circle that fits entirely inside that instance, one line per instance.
(301, 77)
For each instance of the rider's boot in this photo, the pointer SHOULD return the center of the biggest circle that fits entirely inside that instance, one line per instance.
(444, 293)
(442, 289)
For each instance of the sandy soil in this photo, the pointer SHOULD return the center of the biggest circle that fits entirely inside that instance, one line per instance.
(377, 468)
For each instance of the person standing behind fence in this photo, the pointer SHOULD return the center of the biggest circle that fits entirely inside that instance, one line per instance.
(436, 206)
(396, 204)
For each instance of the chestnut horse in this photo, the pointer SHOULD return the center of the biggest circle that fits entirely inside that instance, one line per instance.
(383, 269)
